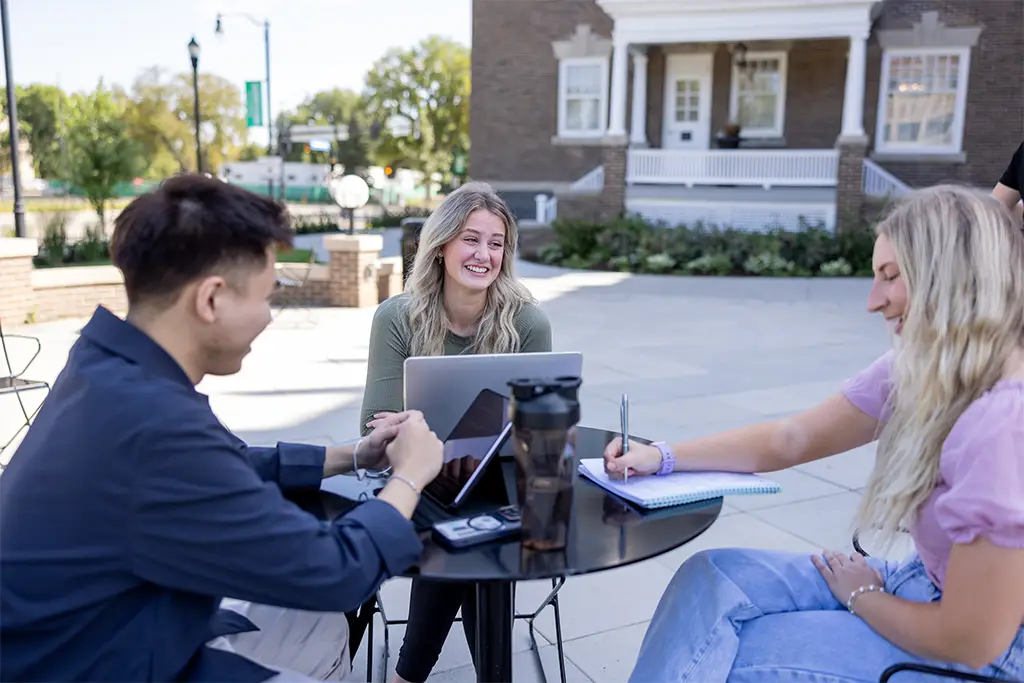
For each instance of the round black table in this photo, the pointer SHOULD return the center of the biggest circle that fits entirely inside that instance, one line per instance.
(605, 532)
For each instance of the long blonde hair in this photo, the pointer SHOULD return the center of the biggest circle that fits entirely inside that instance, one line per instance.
(962, 260)
(428, 322)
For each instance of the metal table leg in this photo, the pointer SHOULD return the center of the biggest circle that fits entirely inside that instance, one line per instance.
(494, 614)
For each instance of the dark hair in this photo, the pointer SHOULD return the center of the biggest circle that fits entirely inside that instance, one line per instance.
(189, 227)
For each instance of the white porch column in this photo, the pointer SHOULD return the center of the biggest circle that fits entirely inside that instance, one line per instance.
(638, 114)
(853, 100)
(617, 108)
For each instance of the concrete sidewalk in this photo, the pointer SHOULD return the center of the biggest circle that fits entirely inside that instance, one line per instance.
(696, 355)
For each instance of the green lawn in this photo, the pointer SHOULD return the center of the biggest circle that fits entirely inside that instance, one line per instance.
(294, 256)
(98, 262)
(290, 256)
(55, 204)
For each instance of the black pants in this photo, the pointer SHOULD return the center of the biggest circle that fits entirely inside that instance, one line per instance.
(433, 606)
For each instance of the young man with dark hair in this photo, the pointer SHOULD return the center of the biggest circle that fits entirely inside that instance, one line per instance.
(129, 511)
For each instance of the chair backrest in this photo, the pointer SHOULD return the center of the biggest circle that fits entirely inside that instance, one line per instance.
(9, 366)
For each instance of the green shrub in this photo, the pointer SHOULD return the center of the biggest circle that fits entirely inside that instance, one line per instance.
(315, 225)
(578, 238)
(623, 264)
(837, 268)
(54, 247)
(92, 247)
(659, 263)
(550, 254)
(582, 262)
(768, 263)
(393, 219)
(710, 264)
(634, 245)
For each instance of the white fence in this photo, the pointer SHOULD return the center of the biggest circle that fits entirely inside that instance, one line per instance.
(880, 183)
(760, 167)
(592, 182)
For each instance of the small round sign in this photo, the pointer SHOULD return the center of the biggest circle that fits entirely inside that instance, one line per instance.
(349, 192)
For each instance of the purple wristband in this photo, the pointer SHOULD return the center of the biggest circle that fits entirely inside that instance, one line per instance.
(668, 458)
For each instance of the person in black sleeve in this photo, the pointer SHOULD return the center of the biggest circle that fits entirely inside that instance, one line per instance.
(1008, 189)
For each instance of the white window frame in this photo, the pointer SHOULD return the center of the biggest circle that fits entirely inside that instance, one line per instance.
(959, 108)
(780, 104)
(602, 111)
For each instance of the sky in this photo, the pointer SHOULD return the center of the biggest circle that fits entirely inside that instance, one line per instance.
(314, 44)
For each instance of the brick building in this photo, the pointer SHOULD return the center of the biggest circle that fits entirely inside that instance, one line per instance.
(605, 106)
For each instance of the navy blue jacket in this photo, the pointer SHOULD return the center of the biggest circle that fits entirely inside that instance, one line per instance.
(129, 511)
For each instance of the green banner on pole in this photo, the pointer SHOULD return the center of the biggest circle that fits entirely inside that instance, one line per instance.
(254, 103)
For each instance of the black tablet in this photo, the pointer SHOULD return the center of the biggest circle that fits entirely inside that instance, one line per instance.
(473, 445)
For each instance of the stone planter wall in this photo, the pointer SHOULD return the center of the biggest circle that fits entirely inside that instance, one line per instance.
(356, 276)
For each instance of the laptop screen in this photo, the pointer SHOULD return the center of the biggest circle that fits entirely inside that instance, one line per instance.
(479, 434)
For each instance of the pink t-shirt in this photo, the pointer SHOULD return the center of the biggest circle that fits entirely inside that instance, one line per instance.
(981, 470)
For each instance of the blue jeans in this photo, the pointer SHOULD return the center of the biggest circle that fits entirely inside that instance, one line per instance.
(745, 616)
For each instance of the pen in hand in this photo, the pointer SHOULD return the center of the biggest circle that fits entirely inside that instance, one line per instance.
(624, 419)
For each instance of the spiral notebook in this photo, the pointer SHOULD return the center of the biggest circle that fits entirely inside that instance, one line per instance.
(677, 488)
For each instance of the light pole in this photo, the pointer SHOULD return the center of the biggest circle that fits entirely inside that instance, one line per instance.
(12, 119)
(193, 52)
(266, 48)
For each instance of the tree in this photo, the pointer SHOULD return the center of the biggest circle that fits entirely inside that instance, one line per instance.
(252, 152)
(327, 108)
(160, 115)
(100, 152)
(5, 152)
(42, 108)
(427, 88)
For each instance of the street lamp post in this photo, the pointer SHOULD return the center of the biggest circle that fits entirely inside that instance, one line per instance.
(12, 119)
(193, 52)
(266, 48)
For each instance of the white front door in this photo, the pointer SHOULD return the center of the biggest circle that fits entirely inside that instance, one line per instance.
(687, 118)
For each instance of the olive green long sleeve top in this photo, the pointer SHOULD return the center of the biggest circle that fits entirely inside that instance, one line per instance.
(390, 346)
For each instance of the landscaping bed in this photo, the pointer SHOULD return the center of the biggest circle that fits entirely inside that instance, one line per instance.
(638, 246)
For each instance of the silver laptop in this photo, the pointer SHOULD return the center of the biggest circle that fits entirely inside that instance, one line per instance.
(443, 387)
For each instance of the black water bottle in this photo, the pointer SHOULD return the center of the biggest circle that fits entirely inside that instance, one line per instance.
(544, 414)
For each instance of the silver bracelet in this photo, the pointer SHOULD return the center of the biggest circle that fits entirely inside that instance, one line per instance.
(363, 473)
(870, 588)
(407, 481)
(360, 474)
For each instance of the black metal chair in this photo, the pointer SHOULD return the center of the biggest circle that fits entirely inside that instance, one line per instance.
(15, 384)
(927, 669)
(363, 621)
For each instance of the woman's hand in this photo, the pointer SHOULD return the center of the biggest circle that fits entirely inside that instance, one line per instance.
(640, 459)
(846, 573)
(380, 418)
(372, 448)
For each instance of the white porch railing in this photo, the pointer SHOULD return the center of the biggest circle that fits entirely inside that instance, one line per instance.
(547, 208)
(591, 182)
(880, 183)
(760, 167)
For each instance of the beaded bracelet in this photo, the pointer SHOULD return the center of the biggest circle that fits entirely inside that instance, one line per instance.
(871, 588)
(408, 482)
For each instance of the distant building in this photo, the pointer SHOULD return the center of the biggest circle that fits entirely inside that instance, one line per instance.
(611, 106)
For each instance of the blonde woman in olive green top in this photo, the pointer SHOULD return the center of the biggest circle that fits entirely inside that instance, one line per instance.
(462, 296)
(391, 344)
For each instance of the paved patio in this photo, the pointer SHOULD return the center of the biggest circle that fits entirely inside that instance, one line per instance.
(696, 355)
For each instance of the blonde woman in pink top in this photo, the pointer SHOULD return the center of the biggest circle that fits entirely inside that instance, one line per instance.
(947, 409)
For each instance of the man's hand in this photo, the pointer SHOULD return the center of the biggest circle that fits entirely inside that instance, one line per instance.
(415, 453)
(372, 449)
